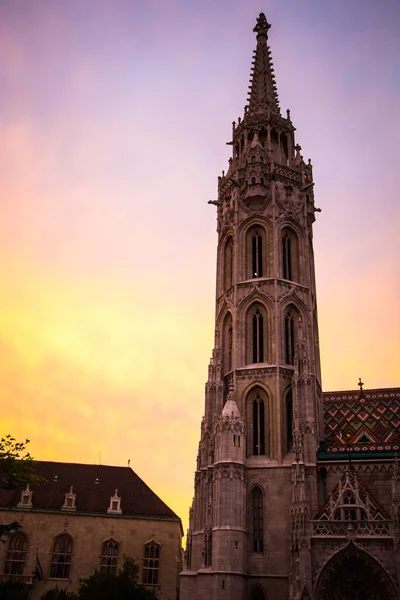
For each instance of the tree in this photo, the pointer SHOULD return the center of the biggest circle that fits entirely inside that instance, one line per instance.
(11, 590)
(17, 469)
(124, 585)
(57, 594)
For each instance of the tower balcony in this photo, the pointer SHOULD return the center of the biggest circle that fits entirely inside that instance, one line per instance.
(255, 194)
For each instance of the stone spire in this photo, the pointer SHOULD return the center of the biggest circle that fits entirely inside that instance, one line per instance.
(263, 94)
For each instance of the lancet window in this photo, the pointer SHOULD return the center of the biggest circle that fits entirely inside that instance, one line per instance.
(258, 336)
(256, 254)
(289, 254)
(290, 339)
(289, 419)
(227, 347)
(109, 557)
(62, 555)
(258, 407)
(151, 564)
(16, 554)
(257, 503)
(228, 264)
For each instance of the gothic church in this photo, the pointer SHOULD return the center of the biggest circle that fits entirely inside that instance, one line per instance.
(296, 491)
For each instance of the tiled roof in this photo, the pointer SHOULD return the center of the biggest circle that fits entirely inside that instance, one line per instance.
(367, 422)
(93, 485)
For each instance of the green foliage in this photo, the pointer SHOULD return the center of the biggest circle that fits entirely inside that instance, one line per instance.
(9, 529)
(57, 594)
(17, 467)
(124, 585)
(10, 590)
(104, 586)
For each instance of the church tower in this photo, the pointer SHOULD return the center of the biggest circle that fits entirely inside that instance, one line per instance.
(255, 482)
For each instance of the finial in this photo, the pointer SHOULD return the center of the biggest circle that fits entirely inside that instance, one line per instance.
(262, 26)
(360, 385)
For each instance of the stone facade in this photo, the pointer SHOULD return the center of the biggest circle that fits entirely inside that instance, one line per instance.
(289, 498)
(67, 532)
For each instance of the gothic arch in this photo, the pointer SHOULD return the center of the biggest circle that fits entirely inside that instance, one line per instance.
(294, 298)
(255, 248)
(290, 321)
(255, 252)
(289, 247)
(289, 420)
(353, 574)
(255, 295)
(256, 334)
(258, 421)
(228, 263)
(227, 343)
(227, 235)
(256, 298)
(257, 593)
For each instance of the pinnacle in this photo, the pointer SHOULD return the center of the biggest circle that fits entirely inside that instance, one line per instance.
(263, 92)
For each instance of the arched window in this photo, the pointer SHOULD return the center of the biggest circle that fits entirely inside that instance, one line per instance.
(289, 419)
(227, 344)
(62, 554)
(151, 563)
(258, 425)
(109, 557)
(257, 593)
(290, 337)
(258, 337)
(16, 554)
(257, 519)
(256, 254)
(228, 264)
(208, 549)
(256, 321)
(289, 255)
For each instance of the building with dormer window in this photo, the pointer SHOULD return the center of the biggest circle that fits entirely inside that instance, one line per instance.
(86, 517)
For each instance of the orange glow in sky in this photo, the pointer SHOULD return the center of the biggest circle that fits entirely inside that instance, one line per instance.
(113, 126)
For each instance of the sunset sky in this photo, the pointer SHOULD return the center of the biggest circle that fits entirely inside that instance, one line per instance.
(114, 118)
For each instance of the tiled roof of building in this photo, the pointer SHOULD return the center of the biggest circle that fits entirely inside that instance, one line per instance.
(366, 421)
(93, 485)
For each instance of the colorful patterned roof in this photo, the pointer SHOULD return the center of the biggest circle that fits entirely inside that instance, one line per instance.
(367, 421)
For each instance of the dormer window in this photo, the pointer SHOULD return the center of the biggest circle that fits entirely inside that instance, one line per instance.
(69, 501)
(115, 504)
(26, 498)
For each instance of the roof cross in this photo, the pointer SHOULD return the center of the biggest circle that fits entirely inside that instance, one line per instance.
(360, 385)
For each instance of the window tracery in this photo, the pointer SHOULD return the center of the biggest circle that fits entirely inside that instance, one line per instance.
(257, 519)
(109, 557)
(289, 419)
(289, 336)
(228, 264)
(151, 564)
(258, 336)
(351, 501)
(227, 344)
(62, 556)
(256, 254)
(289, 255)
(16, 554)
(258, 425)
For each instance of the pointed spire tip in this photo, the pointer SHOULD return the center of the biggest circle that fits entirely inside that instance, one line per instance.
(262, 26)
